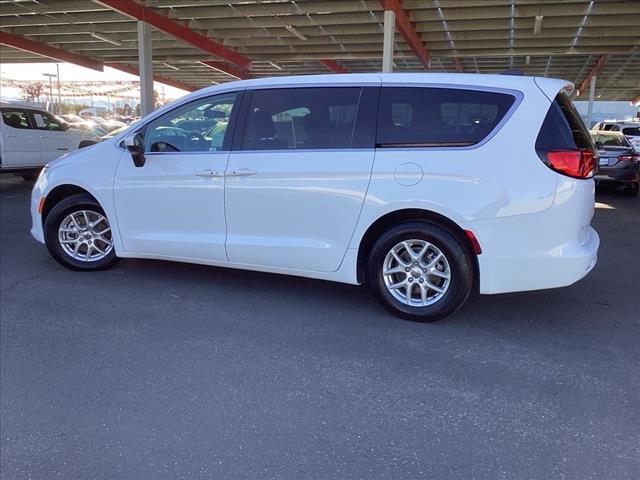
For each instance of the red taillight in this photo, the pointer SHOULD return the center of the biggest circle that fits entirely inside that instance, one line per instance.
(632, 158)
(574, 163)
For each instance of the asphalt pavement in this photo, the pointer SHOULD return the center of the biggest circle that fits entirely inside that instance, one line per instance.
(157, 370)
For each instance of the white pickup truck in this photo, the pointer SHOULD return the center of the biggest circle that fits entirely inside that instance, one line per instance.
(30, 138)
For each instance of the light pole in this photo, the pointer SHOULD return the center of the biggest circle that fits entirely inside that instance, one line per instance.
(50, 75)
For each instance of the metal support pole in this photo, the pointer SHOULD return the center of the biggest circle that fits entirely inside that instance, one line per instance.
(387, 45)
(59, 96)
(146, 68)
(592, 94)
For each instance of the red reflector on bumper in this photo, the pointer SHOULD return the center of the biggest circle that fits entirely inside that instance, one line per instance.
(474, 242)
(41, 205)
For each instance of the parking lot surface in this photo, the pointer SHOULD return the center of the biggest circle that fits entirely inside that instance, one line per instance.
(161, 370)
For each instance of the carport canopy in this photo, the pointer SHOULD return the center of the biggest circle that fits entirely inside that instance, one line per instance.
(196, 43)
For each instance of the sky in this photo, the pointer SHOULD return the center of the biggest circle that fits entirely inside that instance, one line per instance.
(35, 71)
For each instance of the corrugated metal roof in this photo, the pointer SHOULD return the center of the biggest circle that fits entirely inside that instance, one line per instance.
(482, 36)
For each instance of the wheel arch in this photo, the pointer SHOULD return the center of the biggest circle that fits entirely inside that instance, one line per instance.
(61, 192)
(395, 217)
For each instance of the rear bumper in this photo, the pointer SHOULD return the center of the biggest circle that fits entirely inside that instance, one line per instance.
(560, 267)
(550, 249)
(623, 171)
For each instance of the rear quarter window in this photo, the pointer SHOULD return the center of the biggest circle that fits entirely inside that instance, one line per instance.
(425, 117)
(632, 131)
(563, 128)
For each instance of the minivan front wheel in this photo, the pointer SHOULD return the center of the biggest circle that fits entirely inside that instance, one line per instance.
(419, 271)
(78, 234)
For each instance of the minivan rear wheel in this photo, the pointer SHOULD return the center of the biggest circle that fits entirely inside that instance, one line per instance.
(78, 234)
(420, 271)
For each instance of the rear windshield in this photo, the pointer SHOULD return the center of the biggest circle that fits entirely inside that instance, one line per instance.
(633, 131)
(610, 140)
(563, 128)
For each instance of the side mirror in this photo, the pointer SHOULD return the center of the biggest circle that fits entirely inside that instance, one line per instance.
(135, 144)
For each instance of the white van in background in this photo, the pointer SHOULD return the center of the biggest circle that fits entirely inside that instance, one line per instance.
(631, 130)
(30, 138)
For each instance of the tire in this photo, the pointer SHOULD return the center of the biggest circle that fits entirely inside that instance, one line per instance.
(631, 191)
(96, 240)
(456, 261)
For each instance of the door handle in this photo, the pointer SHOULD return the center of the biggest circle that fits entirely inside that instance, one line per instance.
(208, 174)
(11, 135)
(241, 172)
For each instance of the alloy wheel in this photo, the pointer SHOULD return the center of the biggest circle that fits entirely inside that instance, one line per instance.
(85, 235)
(416, 273)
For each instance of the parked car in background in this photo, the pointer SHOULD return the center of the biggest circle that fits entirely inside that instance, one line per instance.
(605, 125)
(117, 131)
(619, 163)
(631, 130)
(126, 120)
(424, 186)
(30, 138)
(108, 124)
(71, 118)
(79, 123)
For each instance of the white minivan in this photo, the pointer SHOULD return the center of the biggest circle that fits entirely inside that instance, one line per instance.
(425, 186)
(30, 138)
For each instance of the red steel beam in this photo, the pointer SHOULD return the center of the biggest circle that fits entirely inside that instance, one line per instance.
(408, 30)
(458, 64)
(28, 45)
(224, 68)
(157, 78)
(177, 30)
(334, 66)
(599, 65)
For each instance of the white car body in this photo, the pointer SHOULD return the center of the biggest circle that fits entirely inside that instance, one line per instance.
(31, 145)
(307, 212)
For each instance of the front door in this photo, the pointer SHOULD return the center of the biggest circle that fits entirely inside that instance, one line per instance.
(298, 175)
(173, 206)
(55, 141)
(20, 140)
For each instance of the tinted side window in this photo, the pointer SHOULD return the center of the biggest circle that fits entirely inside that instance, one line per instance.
(438, 116)
(200, 126)
(15, 118)
(301, 118)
